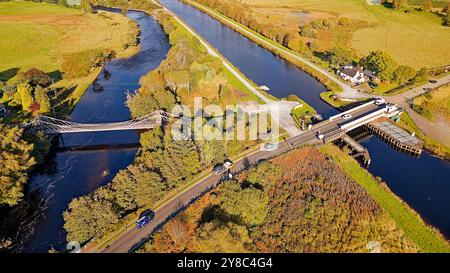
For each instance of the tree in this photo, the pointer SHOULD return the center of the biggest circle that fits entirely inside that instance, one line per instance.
(446, 19)
(397, 4)
(403, 74)
(421, 76)
(24, 90)
(42, 99)
(213, 237)
(340, 56)
(15, 155)
(86, 6)
(87, 217)
(427, 5)
(381, 63)
(250, 203)
(34, 77)
(136, 187)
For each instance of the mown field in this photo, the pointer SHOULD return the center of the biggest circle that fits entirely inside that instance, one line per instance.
(38, 35)
(416, 38)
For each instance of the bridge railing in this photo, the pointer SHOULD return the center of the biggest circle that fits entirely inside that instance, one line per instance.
(351, 110)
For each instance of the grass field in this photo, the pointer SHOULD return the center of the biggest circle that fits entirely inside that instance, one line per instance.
(39, 34)
(414, 227)
(416, 39)
(435, 105)
(438, 148)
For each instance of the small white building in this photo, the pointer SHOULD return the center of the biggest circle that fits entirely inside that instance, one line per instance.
(353, 74)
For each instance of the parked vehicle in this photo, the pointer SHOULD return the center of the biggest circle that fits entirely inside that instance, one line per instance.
(144, 218)
(219, 169)
(391, 107)
(269, 146)
(426, 89)
(380, 101)
(346, 116)
(228, 164)
(433, 81)
(319, 135)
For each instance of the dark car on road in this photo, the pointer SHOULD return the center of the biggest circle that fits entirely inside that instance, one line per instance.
(219, 169)
(144, 218)
(433, 81)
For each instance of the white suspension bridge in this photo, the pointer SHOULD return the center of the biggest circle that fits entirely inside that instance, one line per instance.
(51, 125)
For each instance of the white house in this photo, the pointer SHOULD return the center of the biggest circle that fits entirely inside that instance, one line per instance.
(355, 75)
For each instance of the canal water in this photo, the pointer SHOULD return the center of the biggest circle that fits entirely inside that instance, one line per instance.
(424, 183)
(77, 173)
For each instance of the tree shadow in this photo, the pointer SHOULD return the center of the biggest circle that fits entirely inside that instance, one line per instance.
(8, 74)
(55, 75)
(388, 5)
(215, 212)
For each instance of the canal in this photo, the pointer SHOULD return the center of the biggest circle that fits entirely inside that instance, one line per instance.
(424, 183)
(38, 221)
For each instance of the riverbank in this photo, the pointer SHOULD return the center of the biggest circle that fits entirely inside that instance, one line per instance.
(37, 64)
(163, 165)
(426, 237)
(37, 227)
(325, 77)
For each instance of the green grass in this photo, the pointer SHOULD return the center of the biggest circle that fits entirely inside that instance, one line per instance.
(31, 8)
(274, 48)
(25, 45)
(436, 147)
(427, 238)
(39, 35)
(434, 104)
(416, 39)
(326, 96)
(305, 111)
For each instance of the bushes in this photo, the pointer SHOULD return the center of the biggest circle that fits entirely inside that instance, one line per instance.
(80, 64)
(381, 63)
(34, 77)
(15, 155)
(297, 202)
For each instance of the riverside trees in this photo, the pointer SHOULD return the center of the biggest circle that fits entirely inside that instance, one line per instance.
(297, 202)
(15, 155)
(162, 164)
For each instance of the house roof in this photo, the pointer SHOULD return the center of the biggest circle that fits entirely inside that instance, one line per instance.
(351, 71)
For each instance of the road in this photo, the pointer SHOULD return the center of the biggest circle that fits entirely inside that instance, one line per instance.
(285, 107)
(438, 131)
(131, 237)
(348, 91)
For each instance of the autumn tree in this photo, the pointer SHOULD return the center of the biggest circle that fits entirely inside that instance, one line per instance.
(381, 63)
(15, 155)
(421, 76)
(340, 56)
(397, 4)
(25, 93)
(403, 74)
(87, 217)
(427, 5)
(42, 99)
(34, 77)
(248, 202)
(216, 237)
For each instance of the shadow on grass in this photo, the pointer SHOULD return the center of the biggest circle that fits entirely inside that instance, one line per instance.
(8, 74)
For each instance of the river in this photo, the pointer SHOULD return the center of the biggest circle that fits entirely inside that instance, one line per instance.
(424, 183)
(76, 173)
